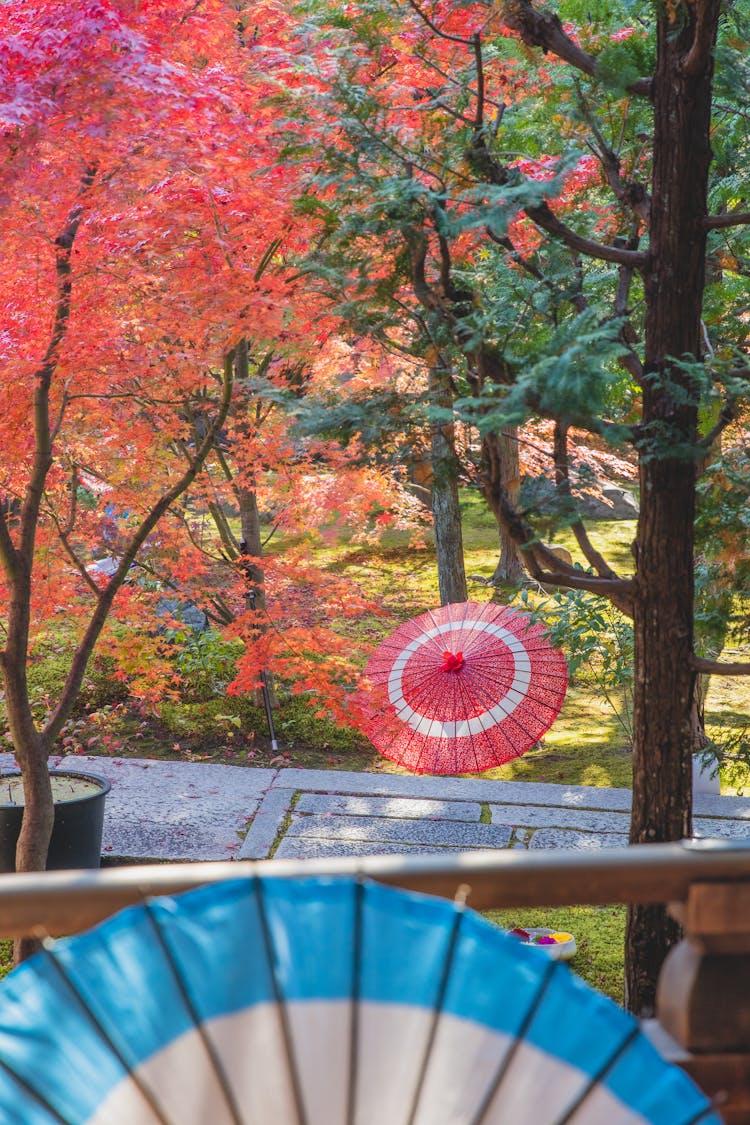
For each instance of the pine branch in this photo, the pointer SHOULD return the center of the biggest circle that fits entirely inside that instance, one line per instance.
(546, 568)
(629, 194)
(545, 218)
(727, 415)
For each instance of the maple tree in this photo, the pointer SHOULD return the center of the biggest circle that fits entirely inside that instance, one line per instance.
(310, 490)
(558, 224)
(131, 271)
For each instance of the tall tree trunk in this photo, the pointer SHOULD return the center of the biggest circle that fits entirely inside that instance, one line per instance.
(699, 740)
(509, 567)
(500, 482)
(31, 749)
(663, 619)
(446, 512)
(252, 541)
(253, 545)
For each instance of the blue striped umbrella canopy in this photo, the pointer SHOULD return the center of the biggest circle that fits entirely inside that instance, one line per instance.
(320, 1002)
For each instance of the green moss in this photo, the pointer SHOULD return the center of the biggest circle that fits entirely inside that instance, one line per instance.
(6, 958)
(49, 671)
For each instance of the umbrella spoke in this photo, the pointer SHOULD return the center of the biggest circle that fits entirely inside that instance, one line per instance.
(465, 688)
(437, 1010)
(128, 1065)
(600, 1075)
(354, 1027)
(286, 1031)
(494, 1087)
(212, 1054)
(34, 1095)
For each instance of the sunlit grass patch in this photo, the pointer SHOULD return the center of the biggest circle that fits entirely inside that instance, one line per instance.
(599, 932)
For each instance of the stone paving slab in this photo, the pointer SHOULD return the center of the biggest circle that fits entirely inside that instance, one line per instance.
(452, 834)
(453, 788)
(197, 810)
(267, 824)
(536, 816)
(300, 848)
(547, 838)
(722, 827)
(715, 805)
(406, 807)
(174, 810)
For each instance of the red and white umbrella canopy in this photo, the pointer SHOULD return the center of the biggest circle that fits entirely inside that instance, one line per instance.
(465, 687)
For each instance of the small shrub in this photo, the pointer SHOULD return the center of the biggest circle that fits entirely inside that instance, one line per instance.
(205, 662)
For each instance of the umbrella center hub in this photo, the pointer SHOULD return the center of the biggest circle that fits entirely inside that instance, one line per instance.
(452, 661)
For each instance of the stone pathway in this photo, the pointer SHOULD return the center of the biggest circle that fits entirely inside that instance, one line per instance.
(192, 810)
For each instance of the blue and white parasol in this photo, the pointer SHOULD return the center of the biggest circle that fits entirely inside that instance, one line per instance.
(320, 1002)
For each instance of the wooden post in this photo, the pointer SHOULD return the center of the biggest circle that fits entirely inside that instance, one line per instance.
(703, 995)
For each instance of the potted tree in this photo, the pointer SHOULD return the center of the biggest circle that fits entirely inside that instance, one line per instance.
(76, 839)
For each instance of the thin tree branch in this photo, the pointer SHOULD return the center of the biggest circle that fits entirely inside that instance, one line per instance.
(45, 371)
(453, 81)
(479, 115)
(630, 360)
(632, 195)
(423, 291)
(434, 28)
(562, 483)
(728, 219)
(726, 416)
(699, 54)
(544, 566)
(57, 426)
(8, 552)
(107, 593)
(222, 526)
(74, 481)
(538, 27)
(72, 555)
(450, 110)
(221, 617)
(733, 111)
(716, 668)
(545, 218)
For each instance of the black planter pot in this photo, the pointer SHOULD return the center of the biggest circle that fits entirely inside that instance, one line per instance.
(77, 832)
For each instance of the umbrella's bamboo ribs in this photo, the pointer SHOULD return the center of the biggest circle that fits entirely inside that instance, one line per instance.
(61, 902)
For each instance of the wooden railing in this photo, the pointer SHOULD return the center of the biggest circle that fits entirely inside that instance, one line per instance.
(704, 991)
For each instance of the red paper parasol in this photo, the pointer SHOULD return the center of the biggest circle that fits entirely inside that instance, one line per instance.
(467, 687)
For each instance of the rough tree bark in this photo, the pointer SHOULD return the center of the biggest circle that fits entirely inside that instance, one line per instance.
(252, 544)
(663, 603)
(446, 512)
(510, 566)
(251, 536)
